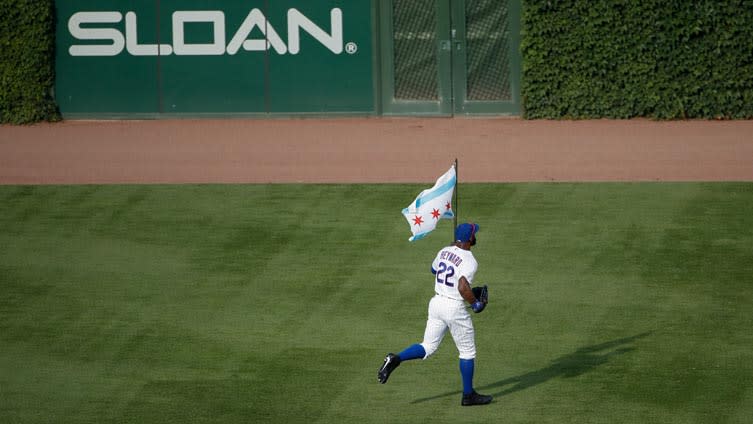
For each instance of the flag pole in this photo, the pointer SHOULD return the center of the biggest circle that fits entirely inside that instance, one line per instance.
(455, 201)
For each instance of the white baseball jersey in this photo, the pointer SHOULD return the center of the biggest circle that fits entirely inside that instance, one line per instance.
(450, 264)
(447, 310)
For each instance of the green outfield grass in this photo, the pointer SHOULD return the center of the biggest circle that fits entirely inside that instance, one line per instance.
(611, 303)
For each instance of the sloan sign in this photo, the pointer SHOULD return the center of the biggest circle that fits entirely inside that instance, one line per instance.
(100, 34)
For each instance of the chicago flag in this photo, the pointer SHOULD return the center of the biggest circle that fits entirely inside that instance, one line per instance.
(431, 205)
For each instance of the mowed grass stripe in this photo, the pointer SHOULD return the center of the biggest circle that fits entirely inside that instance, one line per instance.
(613, 302)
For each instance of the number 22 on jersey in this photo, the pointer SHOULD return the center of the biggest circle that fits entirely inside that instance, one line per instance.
(445, 274)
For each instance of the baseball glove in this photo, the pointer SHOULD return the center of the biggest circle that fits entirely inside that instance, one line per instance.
(481, 293)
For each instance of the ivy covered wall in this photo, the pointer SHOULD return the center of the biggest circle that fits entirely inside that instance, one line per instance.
(663, 59)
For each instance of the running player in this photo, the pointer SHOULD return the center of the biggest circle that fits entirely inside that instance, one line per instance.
(453, 269)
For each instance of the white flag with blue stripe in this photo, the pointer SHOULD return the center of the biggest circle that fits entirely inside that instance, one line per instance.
(431, 205)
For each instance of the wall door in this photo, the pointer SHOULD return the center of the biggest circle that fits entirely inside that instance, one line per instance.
(448, 57)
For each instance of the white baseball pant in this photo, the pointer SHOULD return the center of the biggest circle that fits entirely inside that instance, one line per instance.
(444, 314)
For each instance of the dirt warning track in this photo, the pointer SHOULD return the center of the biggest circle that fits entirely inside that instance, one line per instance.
(374, 150)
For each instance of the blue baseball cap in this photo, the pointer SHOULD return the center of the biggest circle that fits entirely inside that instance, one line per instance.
(465, 232)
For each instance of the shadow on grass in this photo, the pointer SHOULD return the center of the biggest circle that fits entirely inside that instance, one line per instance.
(571, 365)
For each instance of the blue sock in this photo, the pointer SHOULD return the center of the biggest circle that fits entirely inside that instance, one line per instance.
(415, 351)
(466, 371)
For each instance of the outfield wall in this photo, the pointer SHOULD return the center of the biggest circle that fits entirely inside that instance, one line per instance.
(164, 58)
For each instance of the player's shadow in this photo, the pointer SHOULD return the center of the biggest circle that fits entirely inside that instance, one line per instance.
(571, 365)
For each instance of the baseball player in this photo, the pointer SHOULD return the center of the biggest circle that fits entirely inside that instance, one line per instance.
(453, 269)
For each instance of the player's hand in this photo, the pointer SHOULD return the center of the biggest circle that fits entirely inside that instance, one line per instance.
(478, 306)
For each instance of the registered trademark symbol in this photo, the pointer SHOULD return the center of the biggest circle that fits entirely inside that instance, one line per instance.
(351, 48)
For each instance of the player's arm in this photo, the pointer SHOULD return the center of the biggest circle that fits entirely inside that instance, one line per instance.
(464, 287)
(465, 290)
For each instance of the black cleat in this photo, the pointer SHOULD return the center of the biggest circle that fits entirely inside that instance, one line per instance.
(391, 361)
(475, 399)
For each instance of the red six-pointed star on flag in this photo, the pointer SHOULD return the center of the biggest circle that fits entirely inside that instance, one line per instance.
(435, 213)
(448, 206)
(417, 220)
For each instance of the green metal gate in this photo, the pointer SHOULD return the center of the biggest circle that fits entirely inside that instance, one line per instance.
(446, 57)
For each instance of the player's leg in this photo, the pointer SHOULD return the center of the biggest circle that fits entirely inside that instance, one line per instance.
(414, 351)
(463, 334)
(435, 331)
(436, 325)
(392, 361)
